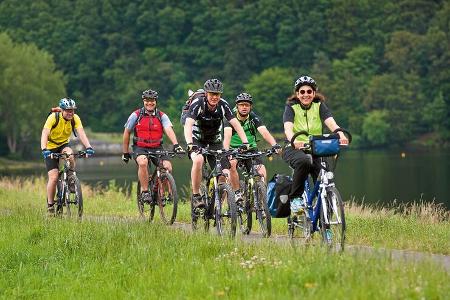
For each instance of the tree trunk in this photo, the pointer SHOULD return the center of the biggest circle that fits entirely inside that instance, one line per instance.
(12, 143)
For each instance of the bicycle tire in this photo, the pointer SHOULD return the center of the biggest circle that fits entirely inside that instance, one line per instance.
(167, 198)
(200, 215)
(333, 233)
(144, 208)
(244, 213)
(139, 203)
(76, 198)
(262, 210)
(61, 187)
(226, 215)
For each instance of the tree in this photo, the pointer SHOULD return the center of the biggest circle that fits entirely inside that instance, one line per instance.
(30, 85)
(270, 90)
(375, 128)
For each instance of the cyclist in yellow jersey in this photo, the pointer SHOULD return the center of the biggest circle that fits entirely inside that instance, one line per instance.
(55, 139)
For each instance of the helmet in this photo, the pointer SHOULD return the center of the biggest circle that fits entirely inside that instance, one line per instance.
(305, 80)
(149, 94)
(244, 97)
(213, 86)
(67, 103)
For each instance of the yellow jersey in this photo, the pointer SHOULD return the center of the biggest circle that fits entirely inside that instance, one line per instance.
(61, 133)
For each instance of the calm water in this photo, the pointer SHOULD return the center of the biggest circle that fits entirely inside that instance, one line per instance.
(370, 176)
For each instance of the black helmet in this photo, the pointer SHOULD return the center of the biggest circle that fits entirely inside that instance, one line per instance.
(149, 94)
(244, 97)
(213, 86)
(305, 80)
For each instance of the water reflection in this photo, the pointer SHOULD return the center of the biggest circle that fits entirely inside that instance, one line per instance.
(369, 176)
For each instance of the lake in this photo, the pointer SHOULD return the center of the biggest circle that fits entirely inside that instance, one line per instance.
(375, 176)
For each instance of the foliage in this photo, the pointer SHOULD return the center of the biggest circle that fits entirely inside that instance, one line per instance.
(111, 50)
(29, 82)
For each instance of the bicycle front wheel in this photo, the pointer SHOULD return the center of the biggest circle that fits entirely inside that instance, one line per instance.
(332, 219)
(262, 210)
(144, 208)
(75, 198)
(167, 198)
(225, 214)
(244, 212)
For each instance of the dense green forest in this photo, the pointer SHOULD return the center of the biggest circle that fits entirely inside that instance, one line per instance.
(384, 66)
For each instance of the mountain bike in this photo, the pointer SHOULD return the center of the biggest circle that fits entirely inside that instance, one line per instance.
(220, 205)
(162, 187)
(324, 208)
(68, 197)
(254, 194)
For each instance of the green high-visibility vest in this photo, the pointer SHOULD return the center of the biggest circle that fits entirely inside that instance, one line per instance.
(307, 120)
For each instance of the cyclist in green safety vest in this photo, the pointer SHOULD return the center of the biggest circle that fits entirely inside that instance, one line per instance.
(305, 111)
(251, 124)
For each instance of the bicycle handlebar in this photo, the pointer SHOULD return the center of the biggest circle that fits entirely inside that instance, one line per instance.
(160, 153)
(65, 155)
(308, 146)
(247, 155)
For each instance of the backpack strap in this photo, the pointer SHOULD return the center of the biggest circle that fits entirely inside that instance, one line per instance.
(72, 122)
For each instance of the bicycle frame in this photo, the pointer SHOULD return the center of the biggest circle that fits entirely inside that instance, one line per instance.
(319, 191)
(213, 175)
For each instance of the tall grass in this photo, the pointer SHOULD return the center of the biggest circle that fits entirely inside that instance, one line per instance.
(124, 257)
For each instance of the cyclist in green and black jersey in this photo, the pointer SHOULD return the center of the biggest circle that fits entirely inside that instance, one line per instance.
(252, 124)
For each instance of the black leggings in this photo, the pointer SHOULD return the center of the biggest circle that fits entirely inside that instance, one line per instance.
(303, 165)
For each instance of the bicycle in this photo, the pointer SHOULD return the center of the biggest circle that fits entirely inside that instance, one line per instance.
(163, 189)
(65, 196)
(254, 194)
(220, 204)
(324, 210)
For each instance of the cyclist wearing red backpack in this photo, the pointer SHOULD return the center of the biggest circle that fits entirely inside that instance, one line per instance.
(55, 139)
(148, 125)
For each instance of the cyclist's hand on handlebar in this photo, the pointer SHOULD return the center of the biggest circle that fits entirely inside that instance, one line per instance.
(191, 148)
(244, 147)
(299, 145)
(343, 140)
(46, 153)
(126, 157)
(178, 149)
(277, 148)
(89, 151)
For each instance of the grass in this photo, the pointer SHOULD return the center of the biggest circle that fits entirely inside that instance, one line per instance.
(127, 258)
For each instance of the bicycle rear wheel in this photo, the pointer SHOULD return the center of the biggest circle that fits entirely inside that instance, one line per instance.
(167, 198)
(333, 226)
(225, 214)
(262, 210)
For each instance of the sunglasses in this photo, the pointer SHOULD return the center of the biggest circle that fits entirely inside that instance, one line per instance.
(309, 92)
(149, 100)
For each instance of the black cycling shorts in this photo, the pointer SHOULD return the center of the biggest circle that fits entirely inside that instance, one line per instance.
(140, 151)
(51, 163)
(210, 158)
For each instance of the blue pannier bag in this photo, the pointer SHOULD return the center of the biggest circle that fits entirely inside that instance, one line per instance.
(278, 189)
(324, 145)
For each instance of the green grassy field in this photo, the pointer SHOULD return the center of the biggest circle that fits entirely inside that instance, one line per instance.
(125, 257)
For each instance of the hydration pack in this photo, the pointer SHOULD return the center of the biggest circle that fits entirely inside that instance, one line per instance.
(192, 95)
